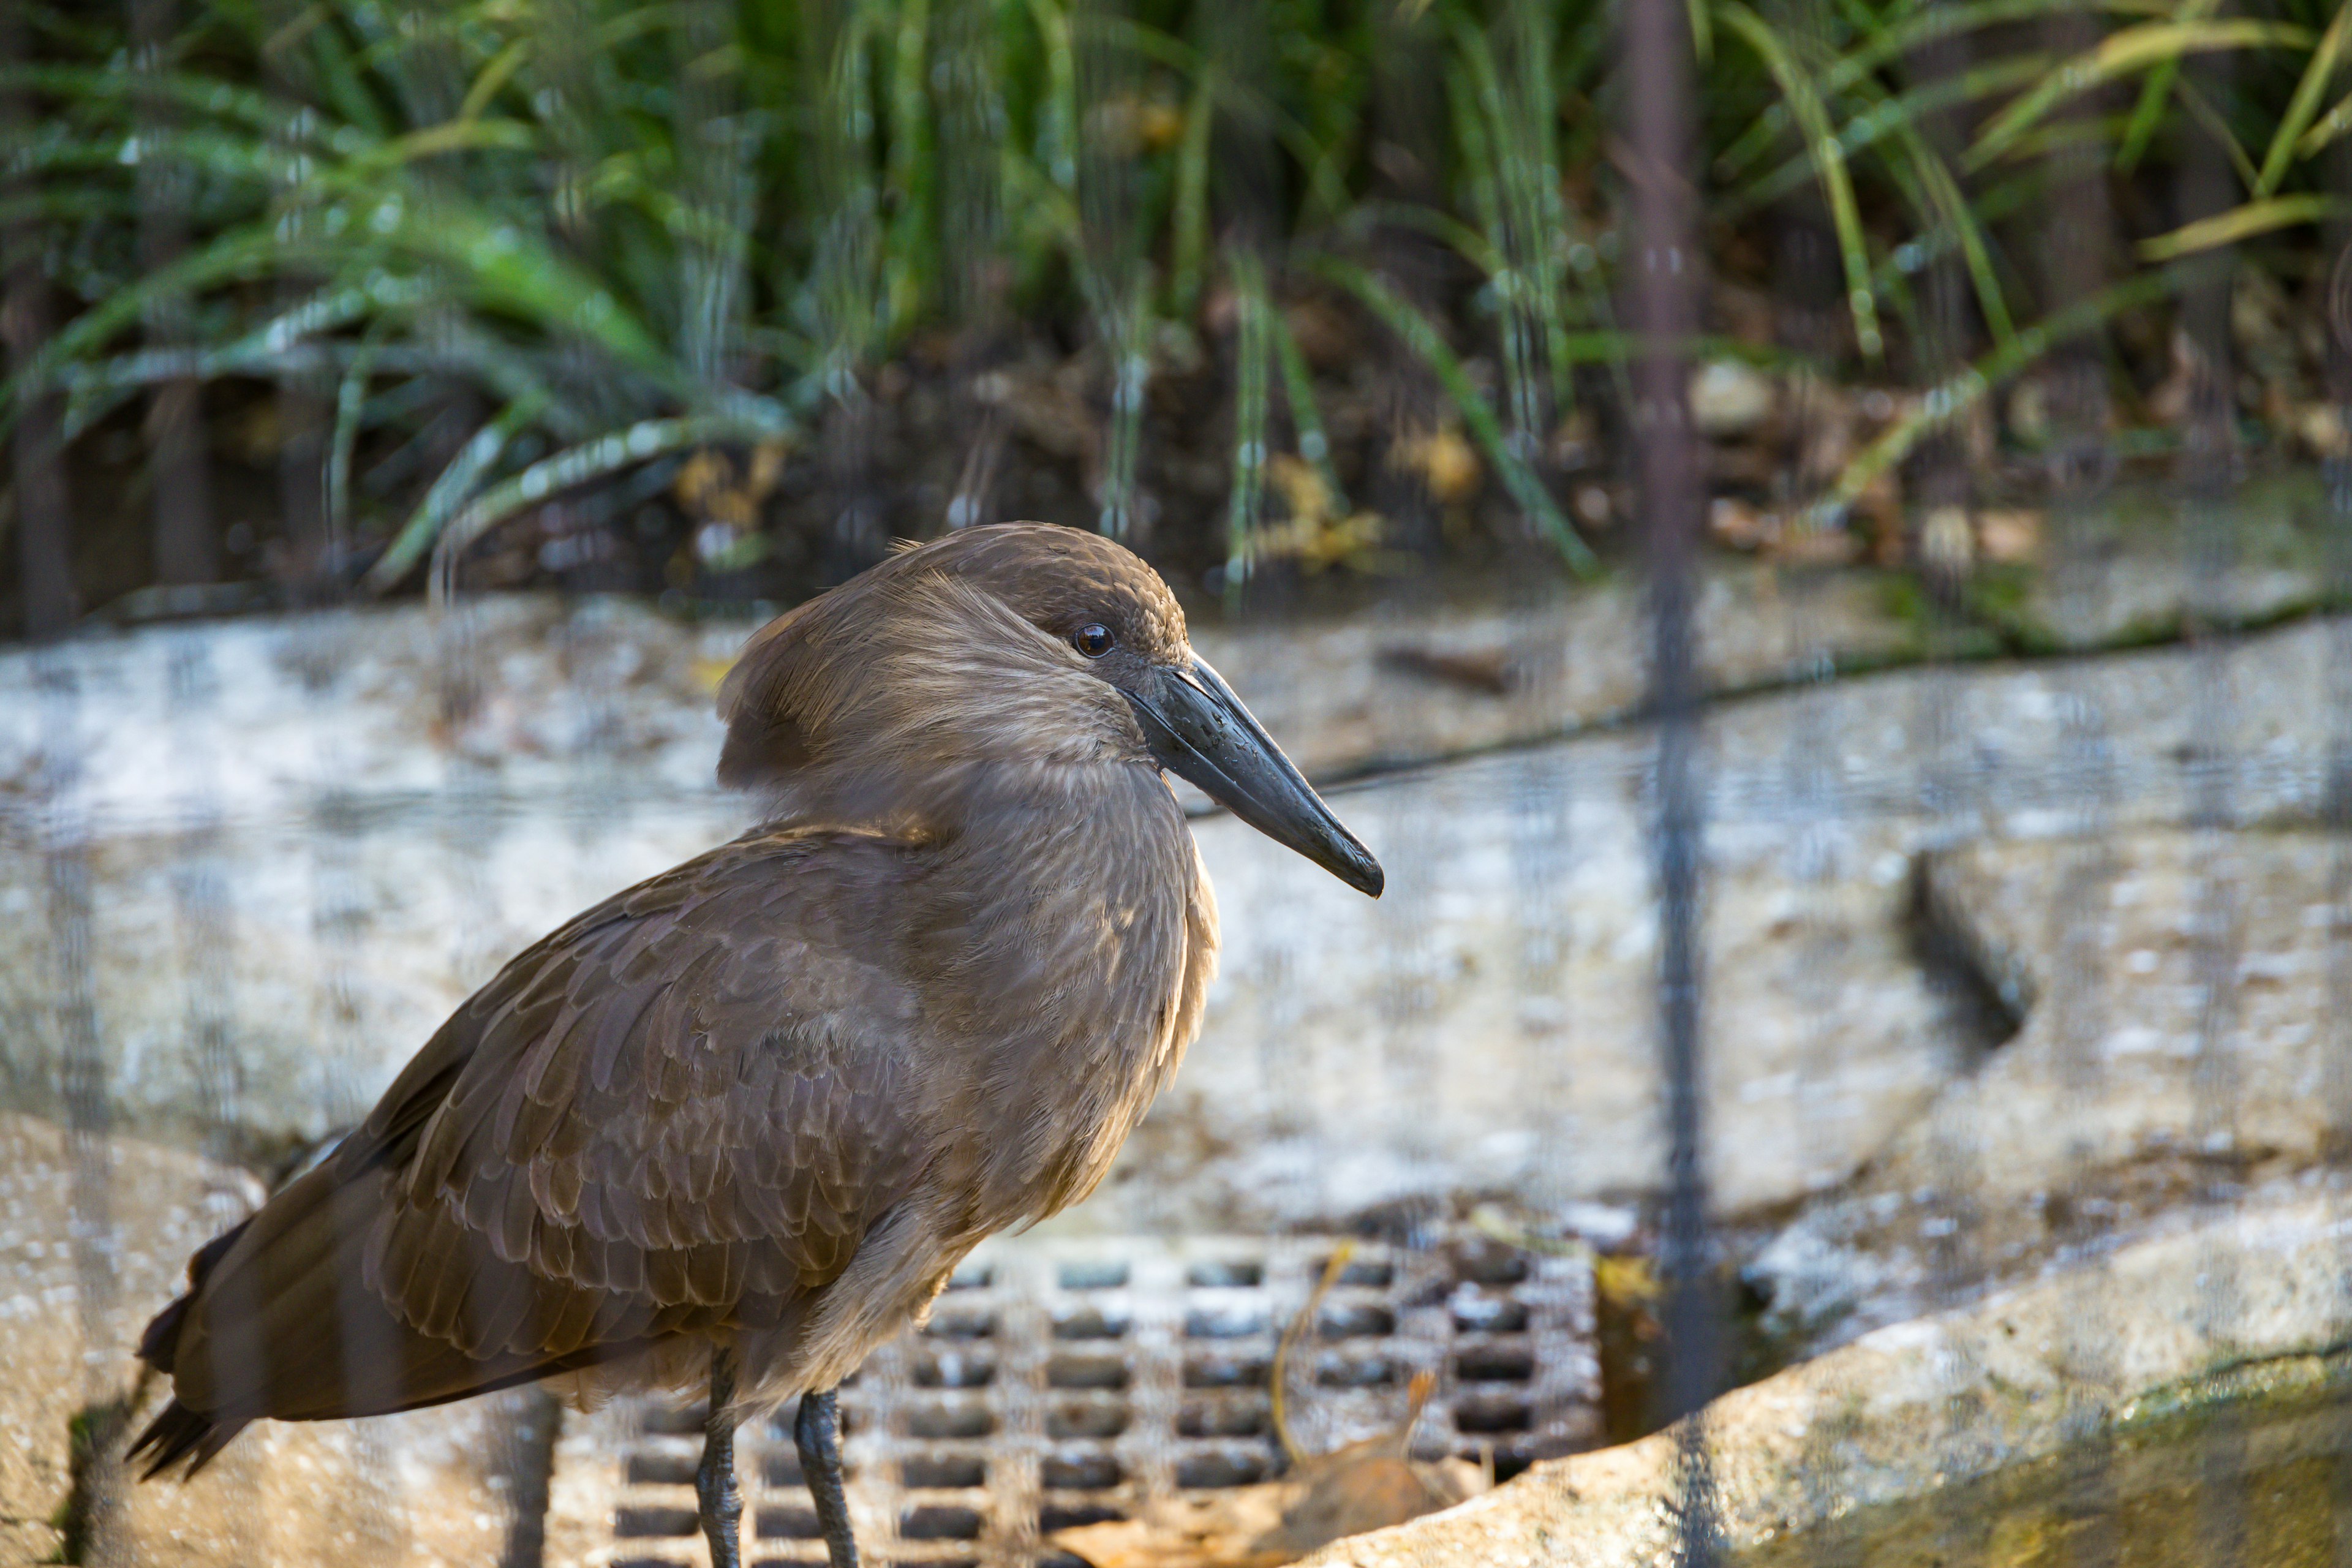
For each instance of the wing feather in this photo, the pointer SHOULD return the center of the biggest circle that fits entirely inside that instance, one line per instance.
(680, 1111)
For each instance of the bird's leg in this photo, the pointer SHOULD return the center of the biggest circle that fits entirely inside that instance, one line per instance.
(815, 1429)
(714, 1479)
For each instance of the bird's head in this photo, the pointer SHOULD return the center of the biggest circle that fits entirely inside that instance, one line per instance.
(1022, 645)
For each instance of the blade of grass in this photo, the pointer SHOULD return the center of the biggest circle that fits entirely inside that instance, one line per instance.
(350, 404)
(1529, 223)
(576, 466)
(509, 269)
(2242, 222)
(1953, 397)
(1829, 162)
(2331, 124)
(1306, 415)
(2120, 55)
(242, 255)
(2217, 125)
(1945, 191)
(340, 79)
(2308, 91)
(1424, 338)
(451, 489)
(1876, 123)
(96, 388)
(1190, 221)
(1924, 25)
(2149, 112)
(492, 77)
(1702, 26)
(1057, 124)
(1250, 352)
(259, 112)
(911, 261)
(1446, 228)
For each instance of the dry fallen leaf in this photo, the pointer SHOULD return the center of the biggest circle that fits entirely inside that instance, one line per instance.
(1445, 461)
(1214, 1529)
(2011, 536)
(2323, 430)
(1365, 1486)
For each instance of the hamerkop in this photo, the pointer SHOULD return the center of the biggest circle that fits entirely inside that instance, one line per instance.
(743, 1119)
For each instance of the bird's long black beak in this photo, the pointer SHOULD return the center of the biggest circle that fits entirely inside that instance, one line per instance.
(1199, 730)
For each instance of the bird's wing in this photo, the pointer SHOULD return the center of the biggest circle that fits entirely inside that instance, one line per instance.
(682, 1110)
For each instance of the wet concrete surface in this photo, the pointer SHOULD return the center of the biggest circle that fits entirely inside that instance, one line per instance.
(302, 847)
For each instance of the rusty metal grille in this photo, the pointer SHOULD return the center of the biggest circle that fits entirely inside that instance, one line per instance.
(1063, 1383)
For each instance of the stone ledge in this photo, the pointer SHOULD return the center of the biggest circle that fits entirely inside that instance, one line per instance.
(1918, 1408)
(419, 1490)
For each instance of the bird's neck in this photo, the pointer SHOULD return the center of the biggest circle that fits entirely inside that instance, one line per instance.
(1074, 835)
(1056, 923)
(1087, 930)
(984, 806)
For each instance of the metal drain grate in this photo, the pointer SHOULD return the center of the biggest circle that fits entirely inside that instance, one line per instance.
(1065, 1382)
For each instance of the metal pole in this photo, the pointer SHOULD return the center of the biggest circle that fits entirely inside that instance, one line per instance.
(43, 512)
(186, 538)
(1662, 309)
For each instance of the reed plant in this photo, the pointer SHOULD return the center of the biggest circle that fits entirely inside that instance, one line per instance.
(519, 252)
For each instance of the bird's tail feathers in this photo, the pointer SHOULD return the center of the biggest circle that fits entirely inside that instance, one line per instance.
(180, 1433)
(158, 1347)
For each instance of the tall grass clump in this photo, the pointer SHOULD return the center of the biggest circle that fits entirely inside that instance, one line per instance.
(730, 293)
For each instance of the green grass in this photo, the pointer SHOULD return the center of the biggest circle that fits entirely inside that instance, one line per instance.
(604, 232)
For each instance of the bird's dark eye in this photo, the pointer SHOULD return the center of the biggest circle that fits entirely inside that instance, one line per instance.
(1093, 640)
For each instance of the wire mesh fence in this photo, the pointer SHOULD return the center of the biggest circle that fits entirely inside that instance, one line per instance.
(1811, 542)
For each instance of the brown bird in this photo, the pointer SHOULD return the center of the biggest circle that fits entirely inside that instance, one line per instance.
(745, 1119)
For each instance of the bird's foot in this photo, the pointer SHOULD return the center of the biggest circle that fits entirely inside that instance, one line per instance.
(816, 1432)
(715, 1488)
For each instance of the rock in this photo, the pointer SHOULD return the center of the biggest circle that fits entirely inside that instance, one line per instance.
(406, 1491)
(424, 1489)
(1325, 690)
(2173, 988)
(1729, 398)
(157, 1207)
(1913, 1412)
(1487, 1024)
(606, 703)
(1486, 1027)
(270, 718)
